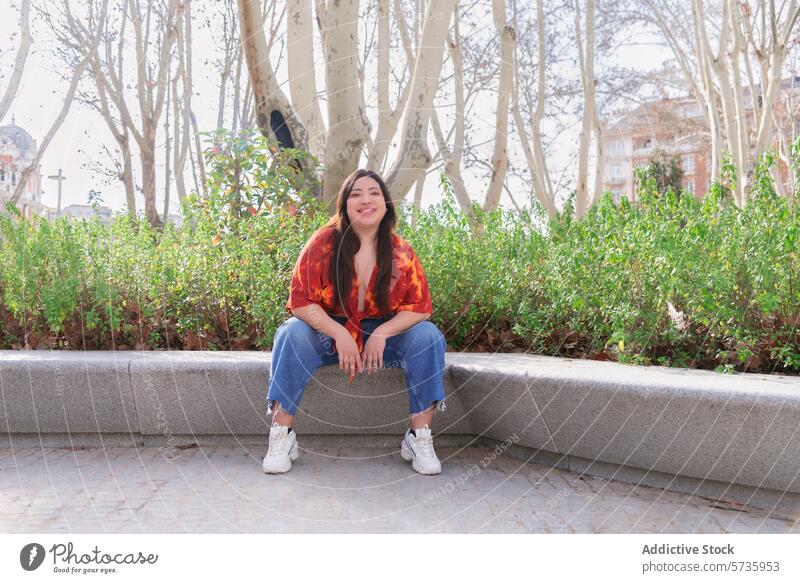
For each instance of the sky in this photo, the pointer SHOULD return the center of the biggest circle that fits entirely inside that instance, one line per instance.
(76, 148)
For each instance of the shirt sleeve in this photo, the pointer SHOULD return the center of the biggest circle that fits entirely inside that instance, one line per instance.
(418, 294)
(306, 276)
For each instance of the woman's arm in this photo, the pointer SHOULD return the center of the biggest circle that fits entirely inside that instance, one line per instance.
(416, 305)
(304, 290)
(317, 318)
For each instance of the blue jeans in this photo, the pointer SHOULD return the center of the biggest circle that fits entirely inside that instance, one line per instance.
(298, 350)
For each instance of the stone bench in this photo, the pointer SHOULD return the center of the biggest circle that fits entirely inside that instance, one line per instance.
(734, 437)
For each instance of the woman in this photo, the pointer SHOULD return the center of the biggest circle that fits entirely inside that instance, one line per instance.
(358, 295)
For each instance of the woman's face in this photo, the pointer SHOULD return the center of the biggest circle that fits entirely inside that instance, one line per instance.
(365, 205)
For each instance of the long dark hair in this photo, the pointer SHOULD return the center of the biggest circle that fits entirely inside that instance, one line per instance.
(347, 244)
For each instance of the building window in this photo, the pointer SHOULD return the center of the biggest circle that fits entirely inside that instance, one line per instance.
(616, 172)
(13, 177)
(690, 186)
(2, 175)
(688, 163)
(616, 148)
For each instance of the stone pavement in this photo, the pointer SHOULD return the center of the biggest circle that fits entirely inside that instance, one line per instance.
(334, 488)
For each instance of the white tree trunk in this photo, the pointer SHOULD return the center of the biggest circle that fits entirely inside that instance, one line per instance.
(508, 36)
(417, 200)
(698, 80)
(781, 29)
(273, 110)
(171, 100)
(127, 173)
(719, 66)
(414, 156)
(533, 147)
(183, 107)
(452, 157)
(388, 117)
(302, 80)
(708, 90)
(348, 126)
(599, 156)
(774, 78)
(739, 54)
(586, 65)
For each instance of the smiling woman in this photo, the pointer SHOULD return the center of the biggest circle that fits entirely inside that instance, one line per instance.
(313, 282)
(358, 288)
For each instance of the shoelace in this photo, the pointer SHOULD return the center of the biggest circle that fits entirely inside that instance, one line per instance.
(425, 445)
(279, 443)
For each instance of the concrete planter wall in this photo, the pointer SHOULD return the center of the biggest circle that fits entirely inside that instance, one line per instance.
(731, 436)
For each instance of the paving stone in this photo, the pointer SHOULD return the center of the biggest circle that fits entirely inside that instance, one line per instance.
(221, 488)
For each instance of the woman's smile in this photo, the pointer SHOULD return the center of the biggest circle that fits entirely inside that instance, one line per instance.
(366, 204)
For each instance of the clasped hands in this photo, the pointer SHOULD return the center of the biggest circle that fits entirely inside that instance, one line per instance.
(351, 361)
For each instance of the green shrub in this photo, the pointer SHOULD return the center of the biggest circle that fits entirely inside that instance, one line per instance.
(671, 279)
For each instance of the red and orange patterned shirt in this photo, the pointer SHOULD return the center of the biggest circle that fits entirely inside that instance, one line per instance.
(311, 283)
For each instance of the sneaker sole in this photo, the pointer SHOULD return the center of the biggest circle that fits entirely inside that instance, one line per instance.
(293, 455)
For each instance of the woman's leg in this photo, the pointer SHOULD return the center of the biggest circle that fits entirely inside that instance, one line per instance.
(297, 352)
(421, 351)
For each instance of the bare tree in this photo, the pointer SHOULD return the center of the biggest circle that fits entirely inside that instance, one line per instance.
(25, 41)
(683, 38)
(70, 30)
(414, 156)
(586, 65)
(770, 45)
(275, 115)
(347, 119)
(155, 29)
(151, 88)
(725, 38)
(554, 40)
(388, 116)
(508, 36)
(452, 156)
(86, 50)
(533, 146)
(349, 133)
(185, 126)
(302, 81)
(227, 51)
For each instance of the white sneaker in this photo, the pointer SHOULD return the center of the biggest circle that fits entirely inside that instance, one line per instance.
(419, 449)
(282, 450)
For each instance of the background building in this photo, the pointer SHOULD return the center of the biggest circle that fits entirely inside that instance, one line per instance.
(86, 211)
(17, 151)
(678, 127)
